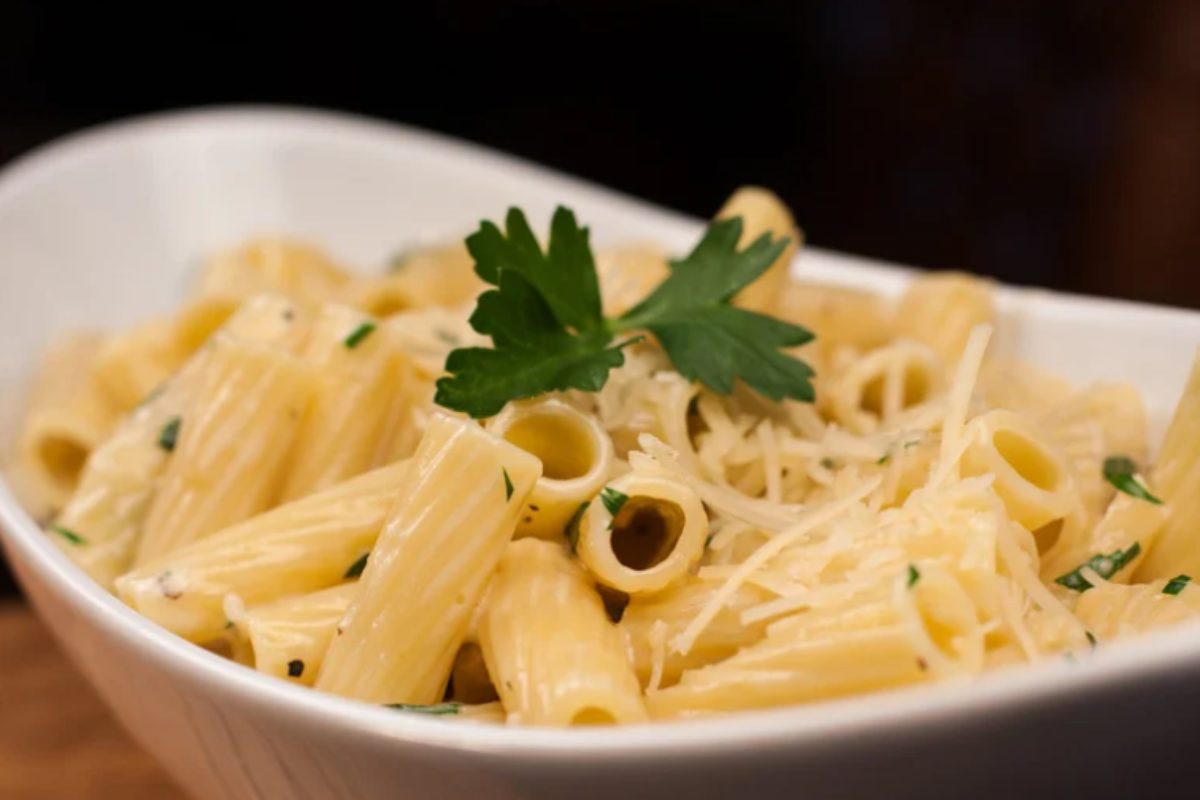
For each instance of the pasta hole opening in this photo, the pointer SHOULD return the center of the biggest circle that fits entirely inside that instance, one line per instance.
(645, 531)
(564, 446)
(1047, 536)
(63, 458)
(592, 715)
(1029, 461)
(917, 385)
(470, 681)
(872, 396)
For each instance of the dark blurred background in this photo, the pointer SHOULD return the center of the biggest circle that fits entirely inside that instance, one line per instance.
(1051, 143)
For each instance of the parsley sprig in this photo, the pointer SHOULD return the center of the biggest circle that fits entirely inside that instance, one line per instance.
(1121, 472)
(549, 333)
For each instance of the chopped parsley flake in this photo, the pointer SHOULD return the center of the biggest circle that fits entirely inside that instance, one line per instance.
(1103, 565)
(356, 569)
(68, 534)
(914, 575)
(170, 434)
(1091, 637)
(1177, 584)
(1121, 472)
(508, 487)
(361, 332)
(613, 500)
(437, 709)
(295, 668)
(572, 529)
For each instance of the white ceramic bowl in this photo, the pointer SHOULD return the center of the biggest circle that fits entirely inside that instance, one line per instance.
(104, 227)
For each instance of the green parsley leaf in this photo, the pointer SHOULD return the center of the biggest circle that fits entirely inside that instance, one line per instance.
(549, 334)
(914, 575)
(571, 531)
(531, 354)
(883, 459)
(1103, 565)
(1121, 472)
(508, 487)
(436, 709)
(170, 434)
(564, 276)
(356, 569)
(358, 334)
(68, 534)
(613, 500)
(1091, 637)
(1177, 584)
(711, 341)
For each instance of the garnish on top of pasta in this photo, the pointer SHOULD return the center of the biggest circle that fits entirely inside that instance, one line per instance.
(674, 500)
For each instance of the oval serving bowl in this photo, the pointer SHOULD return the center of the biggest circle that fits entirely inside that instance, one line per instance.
(104, 227)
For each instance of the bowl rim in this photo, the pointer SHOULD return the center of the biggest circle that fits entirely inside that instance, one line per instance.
(833, 723)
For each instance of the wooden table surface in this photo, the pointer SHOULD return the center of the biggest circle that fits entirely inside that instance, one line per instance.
(57, 740)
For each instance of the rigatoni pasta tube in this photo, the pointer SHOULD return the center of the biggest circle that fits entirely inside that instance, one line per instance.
(554, 656)
(763, 213)
(295, 269)
(456, 513)
(917, 630)
(230, 445)
(643, 532)
(885, 382)
(576, 455)
(304, 546)
(942, 308)
(652, 621)
(68, 417)
(1112, 610)
(1176, 480)
(356, 402)
(1029, 474)
(132, 364)
(289, 637)
(107, 512)
(432, 276)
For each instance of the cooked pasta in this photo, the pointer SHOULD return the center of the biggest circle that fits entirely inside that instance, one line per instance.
(527, 485)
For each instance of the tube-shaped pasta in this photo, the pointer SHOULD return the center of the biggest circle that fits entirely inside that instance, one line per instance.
(652, 621)
(1112, 610)
(917, 630)
(457, 511)
(288, 638)
(876, 388)
(555, 657)
(940, 310)
(107, 512)
(68, 416)
(132, 364)
(762, 212)
(197, 321)
(1128, 521)
(1176, 480)
(355, 405)
(644, 532)
(1029, 475)
(433, 276)
(232, 443)
(628, 274)
(295, 269)
(304, 546)
(576, 455)
(838, 315)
